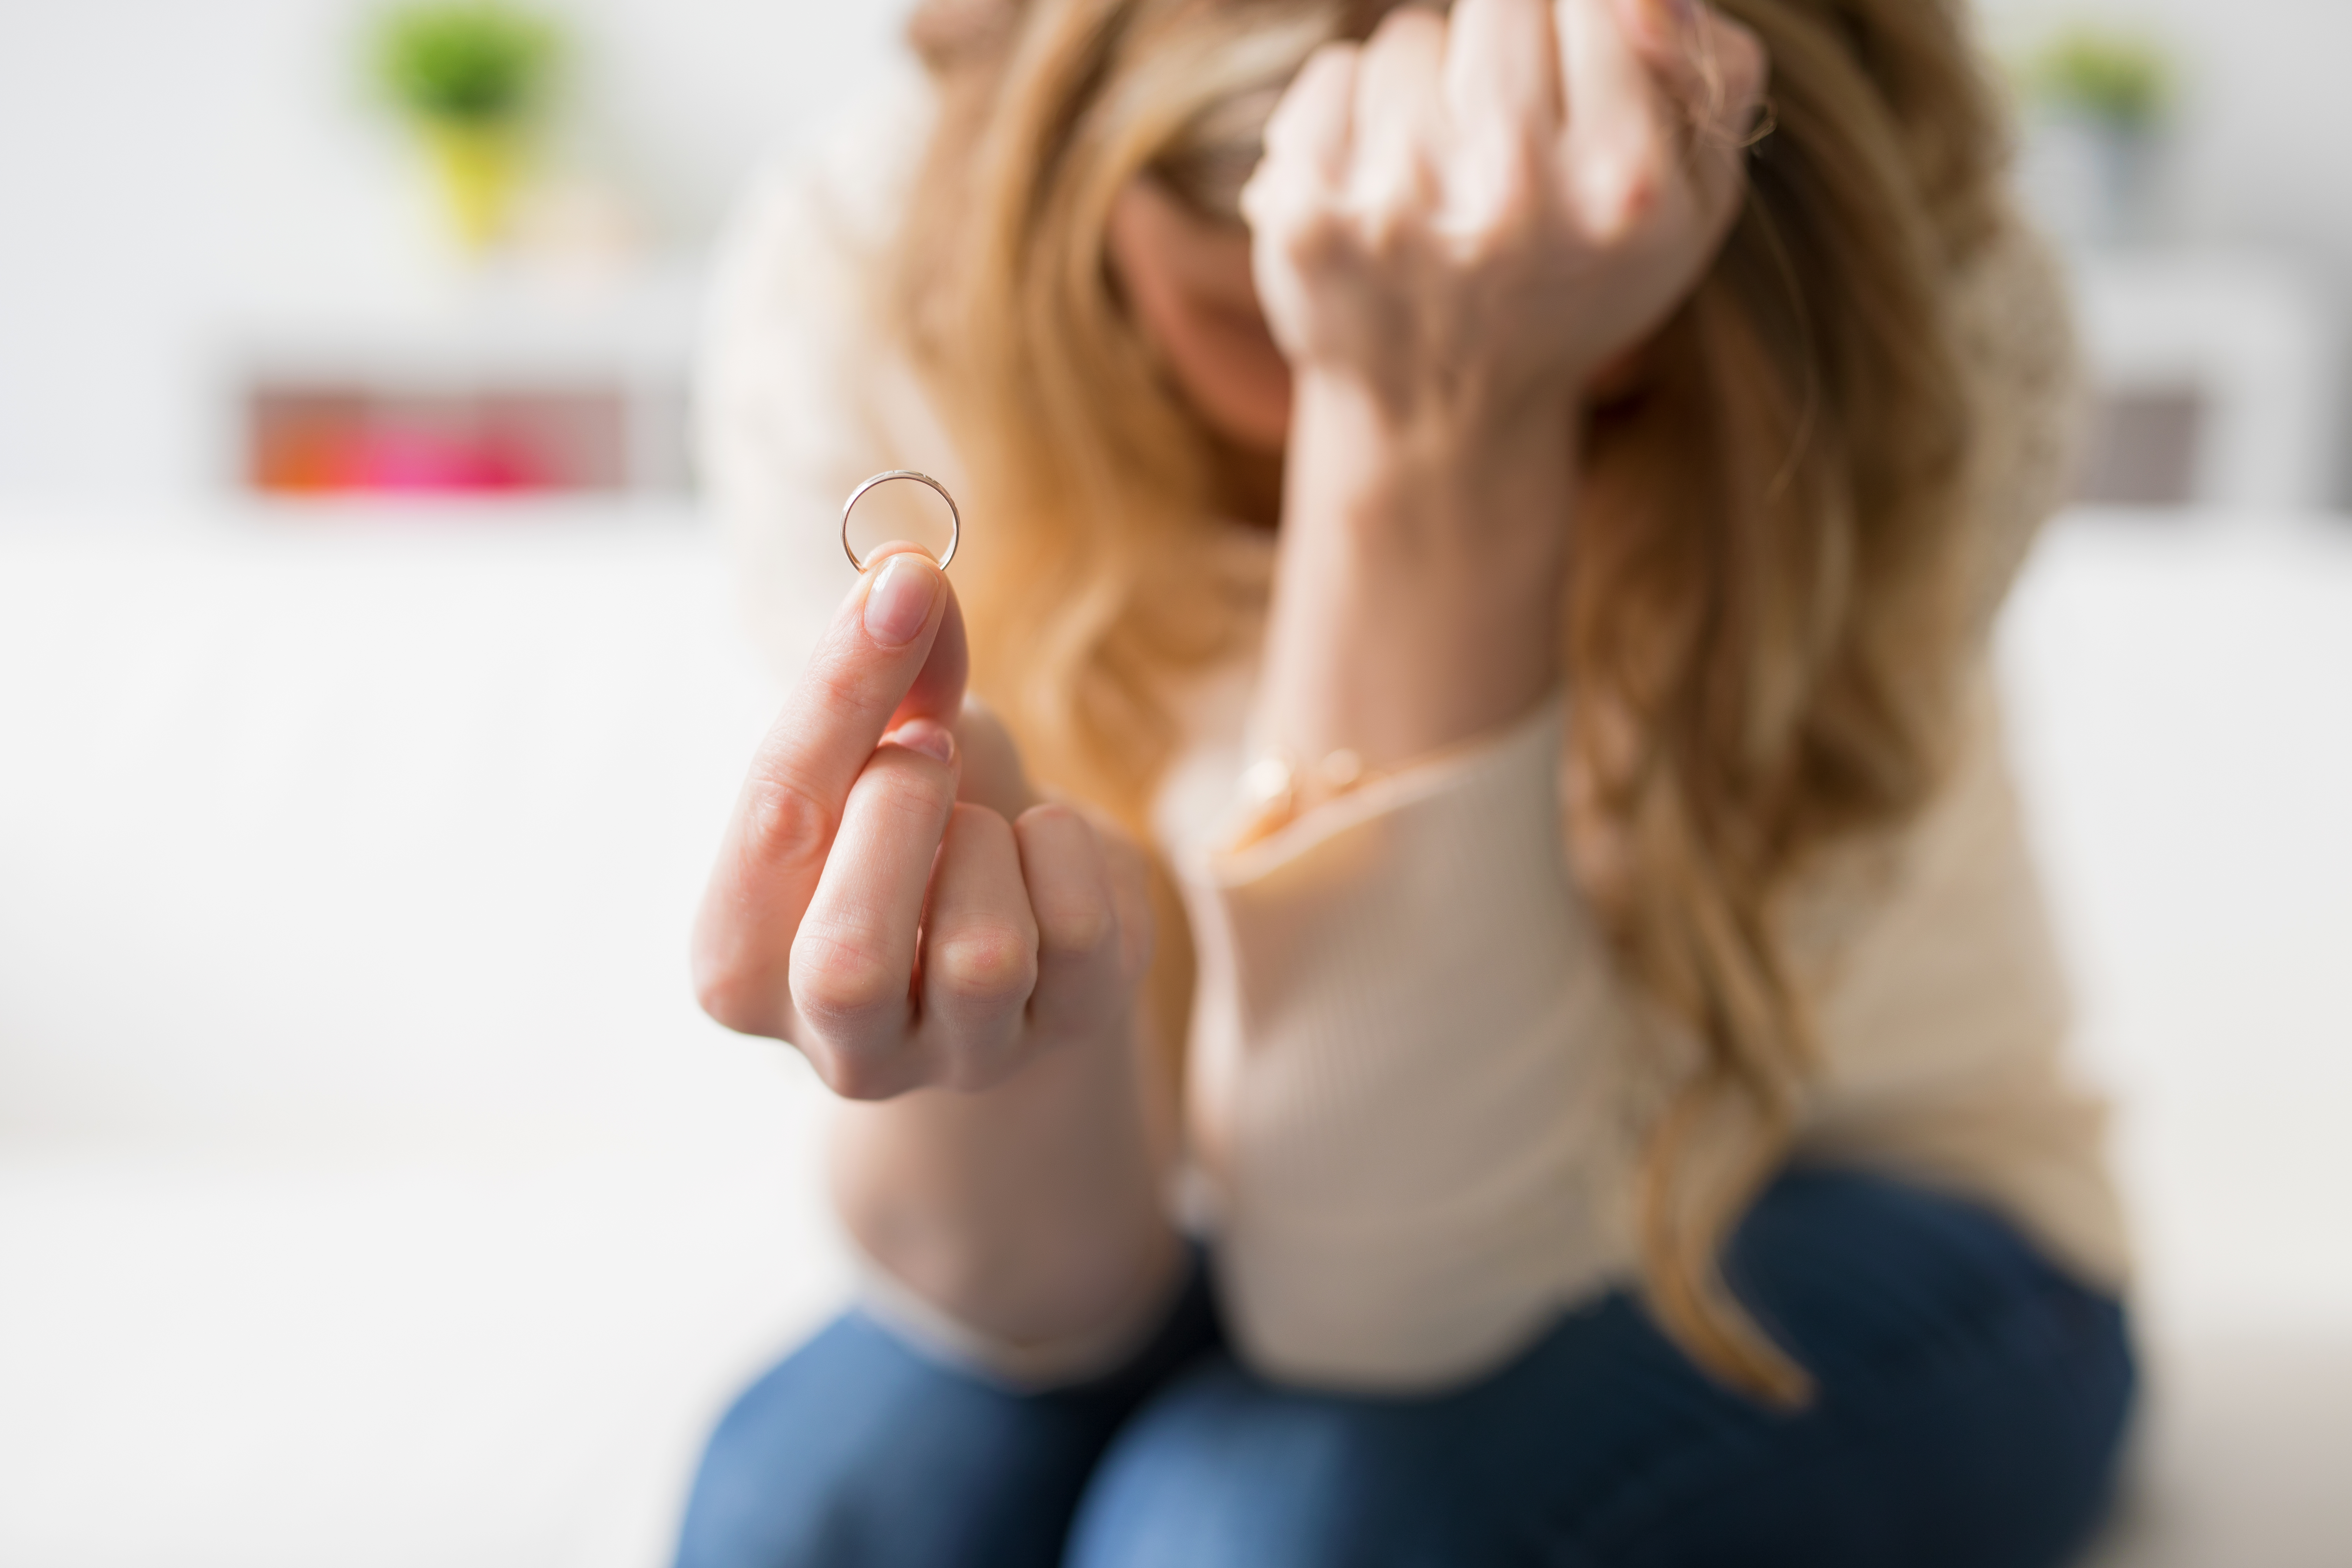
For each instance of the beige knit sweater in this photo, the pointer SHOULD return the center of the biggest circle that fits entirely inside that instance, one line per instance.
(1415, 1081)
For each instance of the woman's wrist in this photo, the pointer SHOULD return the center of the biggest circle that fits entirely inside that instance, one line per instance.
(1449, 481)
(1422, 562)
(1031, 1211)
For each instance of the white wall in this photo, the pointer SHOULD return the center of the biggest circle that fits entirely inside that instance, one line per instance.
(164, 165)
(2258, 152)
(2251, 171)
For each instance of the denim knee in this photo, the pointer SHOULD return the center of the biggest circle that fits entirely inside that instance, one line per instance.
(856, 1452)
(1222, 1468)
(859, 1452)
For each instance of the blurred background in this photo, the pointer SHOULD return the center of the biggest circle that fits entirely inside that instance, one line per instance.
(371, 1190)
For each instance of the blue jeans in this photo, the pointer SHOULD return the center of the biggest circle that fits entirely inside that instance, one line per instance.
(1971, 1402)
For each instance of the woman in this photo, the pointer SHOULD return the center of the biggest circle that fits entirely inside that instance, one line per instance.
(1516, 559)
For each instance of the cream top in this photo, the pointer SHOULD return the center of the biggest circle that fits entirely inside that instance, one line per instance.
(1416, 1082)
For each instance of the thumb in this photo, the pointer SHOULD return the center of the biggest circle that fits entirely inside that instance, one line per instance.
(938, 690)
(993, 775)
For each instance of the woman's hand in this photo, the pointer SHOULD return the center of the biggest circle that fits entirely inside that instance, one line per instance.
(1457, 227)
(890, 900)
(888, 897)
(1469, 216)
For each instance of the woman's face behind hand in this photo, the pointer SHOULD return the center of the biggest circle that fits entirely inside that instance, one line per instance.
(1187, 279)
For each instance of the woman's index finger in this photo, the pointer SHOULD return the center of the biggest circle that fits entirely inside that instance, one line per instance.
(875, 660)
(890, 631)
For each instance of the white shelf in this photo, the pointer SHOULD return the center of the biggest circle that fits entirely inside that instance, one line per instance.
(487, 329)
(2251, 337)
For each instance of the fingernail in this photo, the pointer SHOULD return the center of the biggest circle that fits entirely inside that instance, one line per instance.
(933, 739)
(900, 600)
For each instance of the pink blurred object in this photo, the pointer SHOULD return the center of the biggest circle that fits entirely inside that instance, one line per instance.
(411, 463)
(319, 440)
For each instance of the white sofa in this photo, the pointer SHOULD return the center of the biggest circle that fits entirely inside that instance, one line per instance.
(371, 1191)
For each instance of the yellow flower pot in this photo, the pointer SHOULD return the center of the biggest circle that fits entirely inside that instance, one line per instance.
(479, 167)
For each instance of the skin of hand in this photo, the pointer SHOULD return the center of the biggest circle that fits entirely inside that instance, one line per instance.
(890, 899)
(1459, 228)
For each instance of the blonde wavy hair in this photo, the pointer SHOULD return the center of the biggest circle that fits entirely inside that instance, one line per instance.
(1764, 646)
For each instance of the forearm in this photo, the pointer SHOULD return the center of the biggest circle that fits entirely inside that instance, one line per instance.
(1422, 564)
(1029, 1213)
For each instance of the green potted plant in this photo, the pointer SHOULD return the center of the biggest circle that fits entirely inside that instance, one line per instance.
(2120, 81)
(472, 78)
(2097, 99)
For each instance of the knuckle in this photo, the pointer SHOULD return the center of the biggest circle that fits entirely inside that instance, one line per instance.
(1261, 209)
(1331, 56)
(837, 982)
(1080, 928)
(909, 786)
(1313, 101)
(1408, 27)
(725, 992)
(1627, 189)
(1335, 55)
(984, 968)
(1641, 195)
(1504, 211)
(783, 820)
(1308, 234)
(834, 684)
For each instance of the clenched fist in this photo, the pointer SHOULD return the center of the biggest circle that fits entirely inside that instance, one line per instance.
(1472, 212)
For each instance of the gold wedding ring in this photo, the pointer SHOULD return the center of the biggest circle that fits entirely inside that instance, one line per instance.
(955, 518)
